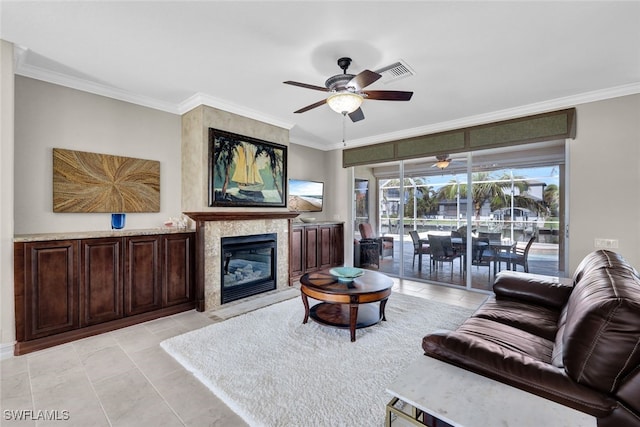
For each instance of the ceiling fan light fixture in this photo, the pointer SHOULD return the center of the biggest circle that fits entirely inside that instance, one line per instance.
(344, 102)
(442, 164)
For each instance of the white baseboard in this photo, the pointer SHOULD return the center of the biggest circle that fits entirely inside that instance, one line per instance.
(6, 350)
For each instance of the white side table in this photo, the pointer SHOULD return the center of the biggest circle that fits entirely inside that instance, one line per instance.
(460, 398)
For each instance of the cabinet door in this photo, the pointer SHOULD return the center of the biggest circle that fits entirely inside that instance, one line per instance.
(177, 261)
(337, 238)
(51, 288)
(311, 249)
(142, 290)
(101, 280)
(296, 253)
(325, 246)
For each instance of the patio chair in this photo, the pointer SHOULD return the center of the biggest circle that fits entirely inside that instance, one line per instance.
(482, 255)
(416, 246)
(519, 256)
(385, 242)
(442, 251)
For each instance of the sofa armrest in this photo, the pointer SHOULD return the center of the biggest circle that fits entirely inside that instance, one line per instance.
(534, 288)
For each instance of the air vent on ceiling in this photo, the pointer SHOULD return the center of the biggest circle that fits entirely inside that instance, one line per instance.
(396, 71)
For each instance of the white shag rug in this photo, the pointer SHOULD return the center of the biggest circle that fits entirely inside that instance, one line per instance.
(274, 371)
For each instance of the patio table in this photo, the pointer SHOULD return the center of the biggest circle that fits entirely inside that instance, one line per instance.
(498, 245)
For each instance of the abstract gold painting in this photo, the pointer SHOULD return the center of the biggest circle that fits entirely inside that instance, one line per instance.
(92, 182)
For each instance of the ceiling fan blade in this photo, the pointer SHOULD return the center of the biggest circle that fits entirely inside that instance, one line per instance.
(312, 106)
(363, 79)
(357, 115)
(388, 95)
(306, 86)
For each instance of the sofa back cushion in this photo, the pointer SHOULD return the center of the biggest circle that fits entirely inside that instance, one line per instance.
(599, 259)
(601, 333)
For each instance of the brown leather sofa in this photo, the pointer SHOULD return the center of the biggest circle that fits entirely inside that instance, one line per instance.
(576, 342)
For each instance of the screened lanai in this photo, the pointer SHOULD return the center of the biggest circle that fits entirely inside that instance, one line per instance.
(504, 198)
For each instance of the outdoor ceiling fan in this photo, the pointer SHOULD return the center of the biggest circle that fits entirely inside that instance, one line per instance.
(347, 94)
(443, 161)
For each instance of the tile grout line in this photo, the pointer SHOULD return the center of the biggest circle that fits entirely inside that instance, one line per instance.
(149, 381)
(84, 369)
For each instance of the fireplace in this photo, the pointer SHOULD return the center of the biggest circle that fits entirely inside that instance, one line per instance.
(249, 265)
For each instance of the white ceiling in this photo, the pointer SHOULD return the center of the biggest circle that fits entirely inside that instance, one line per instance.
(473, 61)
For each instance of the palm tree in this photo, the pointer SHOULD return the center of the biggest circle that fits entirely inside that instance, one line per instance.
(484, 189)
(494, 191)
(551, 198)
(428, 204)
(223, 158)
(276, 162)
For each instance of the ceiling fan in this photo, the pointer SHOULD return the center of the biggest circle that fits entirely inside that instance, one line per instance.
(443, 161)
(346, 92)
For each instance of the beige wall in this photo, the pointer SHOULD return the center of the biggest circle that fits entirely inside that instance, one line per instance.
(7, 324)
(339, 191)
(309, 163)
(49, 116)
(604, 178)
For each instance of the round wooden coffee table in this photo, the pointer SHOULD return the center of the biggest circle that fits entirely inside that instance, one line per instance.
(345, 305)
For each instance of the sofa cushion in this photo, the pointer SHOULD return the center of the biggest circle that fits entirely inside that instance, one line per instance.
(508, 337)
(601, 259)
(535, 319)
(533, 288)
(601, 338)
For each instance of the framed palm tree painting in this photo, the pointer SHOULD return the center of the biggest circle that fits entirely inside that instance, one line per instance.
(245, 171)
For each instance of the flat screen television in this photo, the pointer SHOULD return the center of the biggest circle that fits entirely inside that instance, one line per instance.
(305, 196)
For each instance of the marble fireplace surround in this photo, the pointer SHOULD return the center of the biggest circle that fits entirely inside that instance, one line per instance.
(212, 226)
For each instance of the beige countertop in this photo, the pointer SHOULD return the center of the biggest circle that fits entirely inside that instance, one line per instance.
(21, 238)
(298, 222)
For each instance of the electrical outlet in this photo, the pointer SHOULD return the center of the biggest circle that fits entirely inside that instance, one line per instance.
(606, 243)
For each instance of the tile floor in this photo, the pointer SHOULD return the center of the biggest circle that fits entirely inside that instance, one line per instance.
(124, 378)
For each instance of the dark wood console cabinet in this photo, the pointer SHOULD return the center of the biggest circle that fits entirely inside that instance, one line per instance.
(314, 246)
(71, 289)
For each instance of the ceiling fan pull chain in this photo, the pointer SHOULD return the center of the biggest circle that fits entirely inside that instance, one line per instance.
(344, 127)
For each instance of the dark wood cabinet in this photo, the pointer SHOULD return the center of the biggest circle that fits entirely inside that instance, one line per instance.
(71, 289)
(101, 280)
(325, 246)
(296, 255)
(313, 247)
(49, 299)
(178, 271)
(310, 248)
(337, 252)
(142, 275)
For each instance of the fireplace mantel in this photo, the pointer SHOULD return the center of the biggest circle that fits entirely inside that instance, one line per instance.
(239, 216)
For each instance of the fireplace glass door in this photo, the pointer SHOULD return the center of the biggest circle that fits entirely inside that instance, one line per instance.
(248, 266)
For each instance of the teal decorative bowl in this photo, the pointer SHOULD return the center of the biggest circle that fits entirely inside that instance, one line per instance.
(346, 274)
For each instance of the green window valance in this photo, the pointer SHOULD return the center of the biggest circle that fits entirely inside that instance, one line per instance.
(524, 130)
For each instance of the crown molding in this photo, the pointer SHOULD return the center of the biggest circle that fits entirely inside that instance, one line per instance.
(38, 73)
(525, 110)
(210, 101)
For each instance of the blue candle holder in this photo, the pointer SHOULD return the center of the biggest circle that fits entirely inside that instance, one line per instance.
(117, 221)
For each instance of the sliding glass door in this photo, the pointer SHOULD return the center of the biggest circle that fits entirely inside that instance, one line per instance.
(494, 211)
